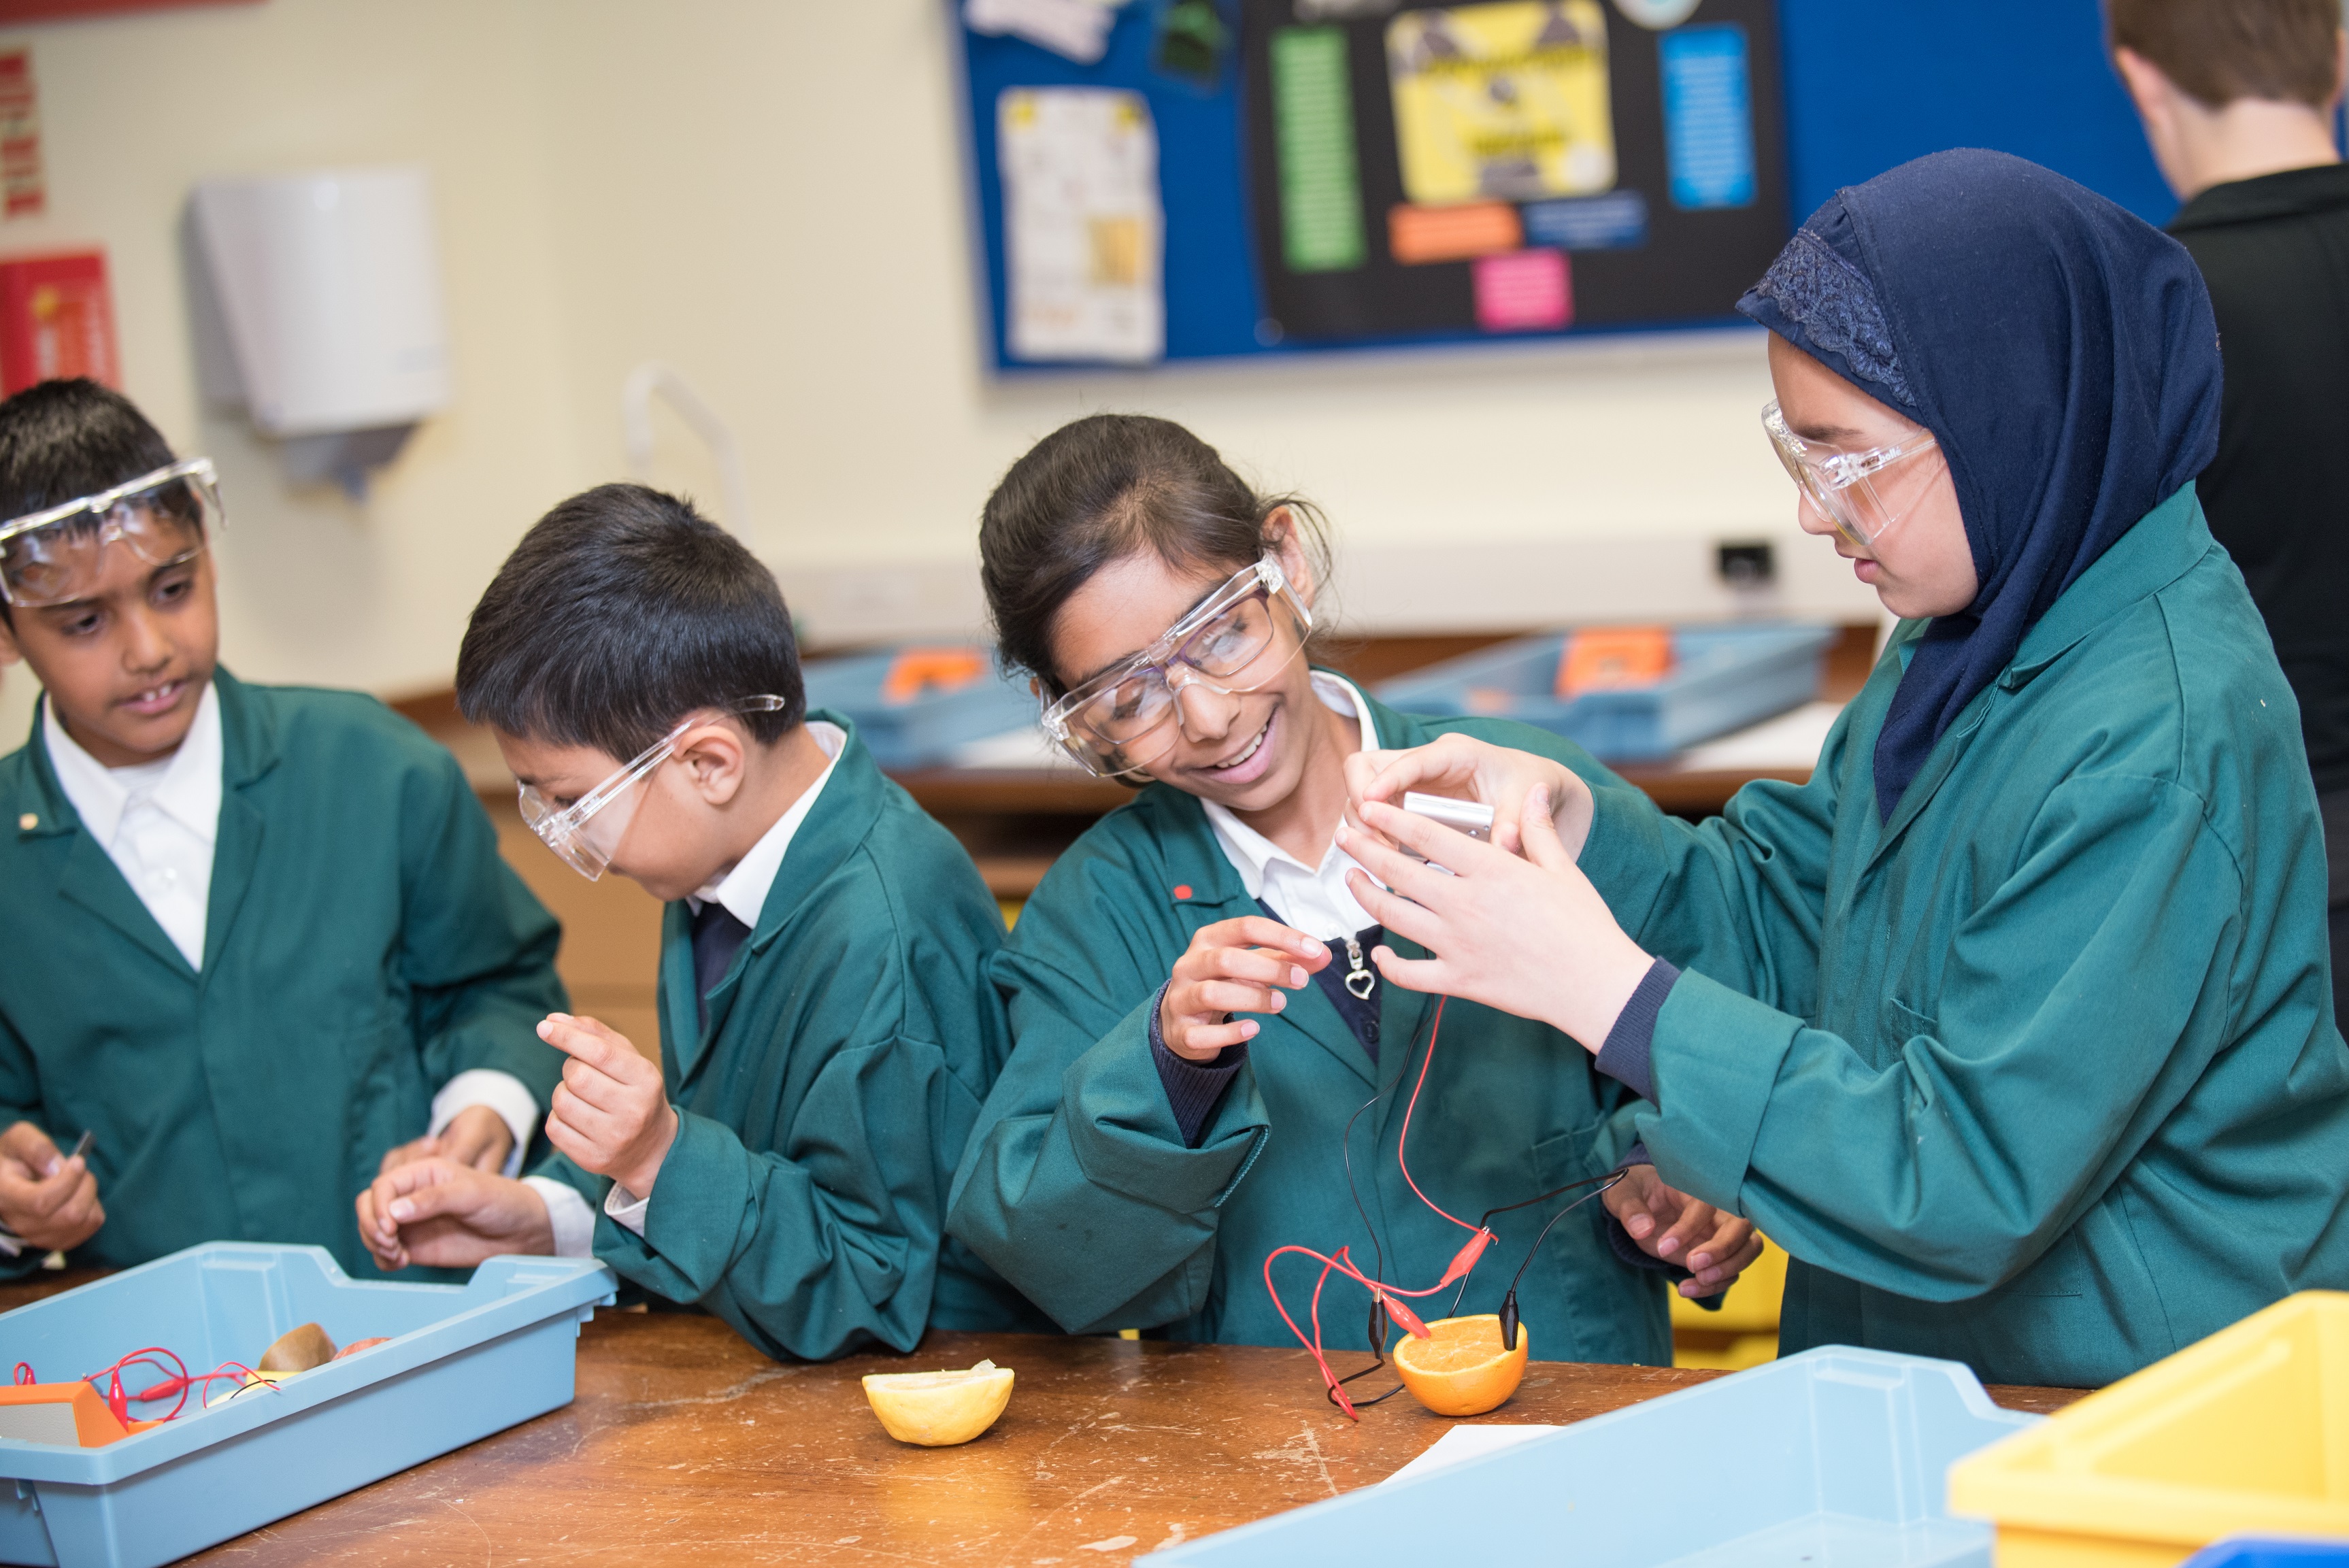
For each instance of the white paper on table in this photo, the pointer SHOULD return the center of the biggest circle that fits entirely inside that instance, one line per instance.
(1026, 747)
(1083, 233)
(1471, 1443)
(1076, 28)
(1790, 743)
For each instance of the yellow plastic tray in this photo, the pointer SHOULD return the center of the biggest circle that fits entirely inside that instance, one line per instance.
(2245, 1431)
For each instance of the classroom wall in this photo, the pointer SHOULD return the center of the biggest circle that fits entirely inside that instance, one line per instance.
(770, 198)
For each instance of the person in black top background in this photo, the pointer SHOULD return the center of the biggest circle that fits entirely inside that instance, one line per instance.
(2240, 99)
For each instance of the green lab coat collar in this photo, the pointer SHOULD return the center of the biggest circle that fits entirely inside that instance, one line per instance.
(248, 752)
(839, 821)
(2155, 552)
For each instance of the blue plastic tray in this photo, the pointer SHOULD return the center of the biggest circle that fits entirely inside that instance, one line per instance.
(2270, 1552)
(923, 731)
(1833, 1458)
(464, 1361)
(1723, 678)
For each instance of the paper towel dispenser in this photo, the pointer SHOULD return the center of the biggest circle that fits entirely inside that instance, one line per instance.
(317, 309)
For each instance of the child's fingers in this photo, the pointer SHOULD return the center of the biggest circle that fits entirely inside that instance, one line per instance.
(1248, 965)
(30, 1147)
(595, 1085)
(1204, 1040)
(1627, 1201)
(1429, 975)
(1256, 931)
(582, 1039)
(592, 1122)
(1414, 922)
(1218, 996)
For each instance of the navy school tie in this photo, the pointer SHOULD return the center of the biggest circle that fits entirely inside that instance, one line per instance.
(717, 936)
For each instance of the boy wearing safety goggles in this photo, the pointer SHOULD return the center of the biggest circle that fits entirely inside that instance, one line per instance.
(259, 938)
(827, 1034)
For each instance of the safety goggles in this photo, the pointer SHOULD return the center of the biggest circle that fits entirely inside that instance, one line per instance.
(586, 833)
(1843, 486)
(57, 556)
(1239, 639)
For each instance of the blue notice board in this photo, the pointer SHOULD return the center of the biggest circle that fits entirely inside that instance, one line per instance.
(1304, 211)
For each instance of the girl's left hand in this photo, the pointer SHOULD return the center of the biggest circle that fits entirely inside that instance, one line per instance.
(1713, 1245)
(1528, 936)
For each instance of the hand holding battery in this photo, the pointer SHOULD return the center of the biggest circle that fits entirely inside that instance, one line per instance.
(609, 1113)
(1715, 1246)
(48, 1200)
(1467, 769)
(476, 1136)
(1530, 936)
(444, 1214)
(1239, 966)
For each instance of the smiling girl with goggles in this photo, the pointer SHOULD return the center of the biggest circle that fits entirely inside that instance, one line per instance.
(58, 556)
(1238, 639)
(1842, 487)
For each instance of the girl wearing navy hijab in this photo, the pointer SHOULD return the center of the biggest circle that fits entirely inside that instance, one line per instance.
(2014, 1024)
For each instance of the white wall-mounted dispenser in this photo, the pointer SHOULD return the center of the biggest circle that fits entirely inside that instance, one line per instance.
(317, 309)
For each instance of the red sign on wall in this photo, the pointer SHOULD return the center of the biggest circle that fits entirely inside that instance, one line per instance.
(23, 192)
(56, 319)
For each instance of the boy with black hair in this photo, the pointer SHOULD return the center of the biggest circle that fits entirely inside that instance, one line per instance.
(2240, 101)
(257, 938)
(827, 1031)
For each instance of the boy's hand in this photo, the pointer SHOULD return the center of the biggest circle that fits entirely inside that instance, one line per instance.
(50, 1202)
(1472, 769)
(476, 1136)
(443, 1214)
(1233, 966)
(1712, 1246)
(609, 1114)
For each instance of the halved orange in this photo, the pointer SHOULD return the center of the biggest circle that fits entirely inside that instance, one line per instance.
(1461, 1370)
(939, 1410)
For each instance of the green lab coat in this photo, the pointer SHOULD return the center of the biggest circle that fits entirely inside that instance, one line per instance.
(2041, 1074)
(820, 1114)
(364, 944)
(1078, 1187)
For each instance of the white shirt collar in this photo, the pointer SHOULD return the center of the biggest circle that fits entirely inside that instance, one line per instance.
(1314, 899)
(743, 891)
(185, 787)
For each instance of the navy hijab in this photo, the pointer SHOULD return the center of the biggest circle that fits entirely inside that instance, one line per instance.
(2062, 351)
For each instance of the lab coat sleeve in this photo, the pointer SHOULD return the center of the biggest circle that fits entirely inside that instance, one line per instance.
(832, 1240)
(2078, 1005)
(476, 947)
(1077, 1186)
(1740, 896)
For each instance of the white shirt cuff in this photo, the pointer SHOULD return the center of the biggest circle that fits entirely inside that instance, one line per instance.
(567, 1211)
(502, 1092)
(627, 1210)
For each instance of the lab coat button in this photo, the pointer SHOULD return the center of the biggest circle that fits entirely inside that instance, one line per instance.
(27, 823)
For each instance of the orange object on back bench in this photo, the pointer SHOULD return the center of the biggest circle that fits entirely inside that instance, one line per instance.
(918, 670)
(1614, 659)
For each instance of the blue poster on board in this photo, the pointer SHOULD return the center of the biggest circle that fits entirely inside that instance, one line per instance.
(1708, 116)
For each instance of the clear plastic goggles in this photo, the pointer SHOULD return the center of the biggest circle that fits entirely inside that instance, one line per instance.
(57, 556)
(1843, 486)
(1239, 639)
(586, 833)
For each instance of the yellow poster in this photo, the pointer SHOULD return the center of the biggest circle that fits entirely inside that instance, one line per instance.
(1503, 101)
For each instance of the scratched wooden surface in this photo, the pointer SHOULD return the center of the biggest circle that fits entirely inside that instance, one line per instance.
(686, 1445)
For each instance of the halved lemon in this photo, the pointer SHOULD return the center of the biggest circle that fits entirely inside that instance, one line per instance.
(939, 1410)
(1461, 1370)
